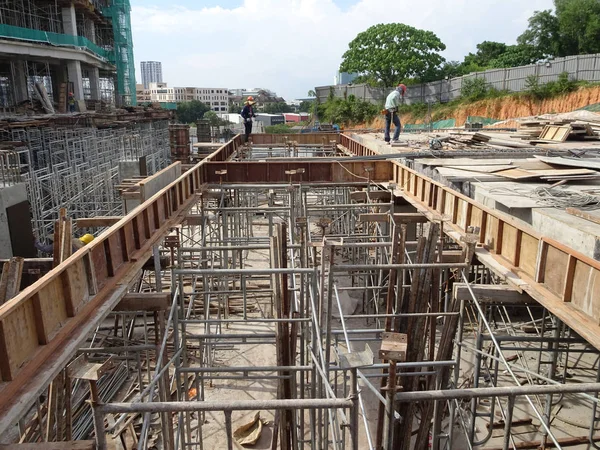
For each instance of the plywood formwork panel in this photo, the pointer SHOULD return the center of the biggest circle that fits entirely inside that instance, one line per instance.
(18, 338)
(554, 273)
(585, 289)
(510, 241)
(50, 311)
(528, 254)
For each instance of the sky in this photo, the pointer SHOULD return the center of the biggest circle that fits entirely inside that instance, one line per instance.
(291, 46)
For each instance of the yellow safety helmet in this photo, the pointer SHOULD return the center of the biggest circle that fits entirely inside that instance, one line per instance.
(87, 238)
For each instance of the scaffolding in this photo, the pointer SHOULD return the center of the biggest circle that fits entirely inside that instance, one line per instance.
(77, 168)
(343, 316)
(122, 58)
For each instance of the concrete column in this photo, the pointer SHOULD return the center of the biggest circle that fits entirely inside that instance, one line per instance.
(20, 81)
(74, 72)
(94, 74)
(10, 196)
(92, 31)
(69, 20)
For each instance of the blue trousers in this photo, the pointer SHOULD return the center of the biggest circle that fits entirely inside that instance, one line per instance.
(389, 118)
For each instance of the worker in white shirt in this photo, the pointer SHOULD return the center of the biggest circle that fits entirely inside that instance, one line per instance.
(392, 103)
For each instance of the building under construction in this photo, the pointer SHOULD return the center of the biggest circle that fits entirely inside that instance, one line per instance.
(315, 291)
(312, 291)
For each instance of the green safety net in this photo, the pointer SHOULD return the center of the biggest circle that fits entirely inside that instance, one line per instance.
(120, 13)
(168, 105)
(482, 120)
(58, 39)
(593, 108)
(448, 123)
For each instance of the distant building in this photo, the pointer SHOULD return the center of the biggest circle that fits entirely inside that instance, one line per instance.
(261, 97)
(216, 98)
(270, 119)
(151, 72)
(296, 117)
(142, 94)
(344, 78)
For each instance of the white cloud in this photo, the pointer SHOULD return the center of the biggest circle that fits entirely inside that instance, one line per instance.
(291, 46)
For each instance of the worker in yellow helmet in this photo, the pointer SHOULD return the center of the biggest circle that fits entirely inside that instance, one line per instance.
(77, 244)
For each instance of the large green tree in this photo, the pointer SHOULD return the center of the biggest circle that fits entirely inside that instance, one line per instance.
(190, 112)
(573, 29)
(579, 26)
(542, 34)
(486, 52)
(277, 108)
(390, 53)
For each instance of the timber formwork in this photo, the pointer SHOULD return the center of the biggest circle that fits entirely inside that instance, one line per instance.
(271, 255)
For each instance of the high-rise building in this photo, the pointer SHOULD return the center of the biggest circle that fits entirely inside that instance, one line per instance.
(151, 73)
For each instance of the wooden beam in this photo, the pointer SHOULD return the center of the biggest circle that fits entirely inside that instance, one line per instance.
(34, 266)
(491, 293)
(97, 222)
(144, 302)
(194, 219)
(374, 217)
(410, 218)
(361, 196)
(73, 445)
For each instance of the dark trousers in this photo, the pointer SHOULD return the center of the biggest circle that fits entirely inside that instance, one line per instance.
(389, 118)
(248, 130)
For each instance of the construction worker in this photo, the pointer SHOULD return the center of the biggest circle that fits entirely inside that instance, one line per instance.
(247, 115)
(77, 244)
(71, 102)
(392, 103)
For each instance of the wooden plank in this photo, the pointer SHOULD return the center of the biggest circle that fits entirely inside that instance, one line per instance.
(96, 222)
(144, 302)
(492, 294)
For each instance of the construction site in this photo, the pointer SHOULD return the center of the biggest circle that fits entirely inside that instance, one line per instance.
(299, 291)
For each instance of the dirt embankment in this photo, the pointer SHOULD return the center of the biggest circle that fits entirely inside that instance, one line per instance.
(506, 108)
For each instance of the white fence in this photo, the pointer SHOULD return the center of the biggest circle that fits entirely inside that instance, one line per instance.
(582, 67)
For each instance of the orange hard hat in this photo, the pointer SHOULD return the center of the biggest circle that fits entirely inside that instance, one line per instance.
(250, 99)
(402, 87)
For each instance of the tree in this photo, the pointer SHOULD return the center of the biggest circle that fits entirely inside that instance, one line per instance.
(516, 55)
(214, 119)
(190, 112)
(390, 53)
(542, 34)
(486, 52)
(579, 26)
(277, 108)
(574, 29)
(306, 106)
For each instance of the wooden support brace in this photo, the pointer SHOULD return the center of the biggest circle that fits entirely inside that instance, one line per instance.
(144, 302)
(492, 294)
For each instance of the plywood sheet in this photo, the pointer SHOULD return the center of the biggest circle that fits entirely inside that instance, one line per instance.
(483, 169)
(517, 174)
(589, 163)
(528, 254)
(555, 270)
